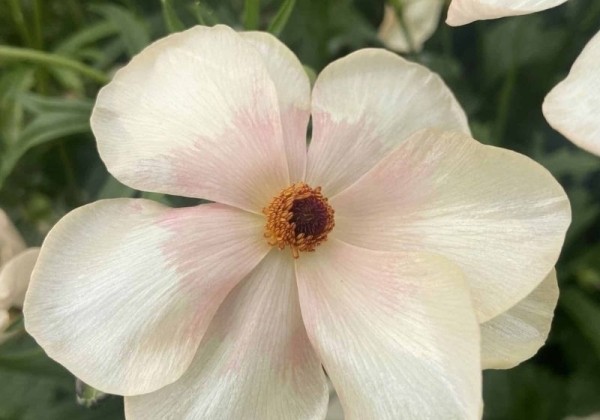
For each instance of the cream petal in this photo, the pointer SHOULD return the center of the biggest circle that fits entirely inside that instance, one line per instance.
(195, 114)
(255, 361)
(11, 243)
(462, 12)
(124, 289)
(421, 18)
(364, 105)
(517, 334)
(14, 278)
(293, 90)
(396, 332)
(572, 106)
(500, 216)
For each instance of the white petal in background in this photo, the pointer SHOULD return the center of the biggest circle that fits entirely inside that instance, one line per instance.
(124, 289)
(573, 106)
(517, 334)
(14, 278)
(11, 242)
(421, 18)
(255, 361)
(293, 90)
(500, 216)
(462, 12)
(195, 114)
(396, 332)
(364, 105)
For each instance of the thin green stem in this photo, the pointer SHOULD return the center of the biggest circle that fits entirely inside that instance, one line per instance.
(38, 43)
(19, 20)
(41, 57)
(251, 15)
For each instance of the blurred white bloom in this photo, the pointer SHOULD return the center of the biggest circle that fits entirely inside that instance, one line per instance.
(11, 243)
(421, 18)
(573, 106)
(462, 12)
(16, 265)
(419, 236)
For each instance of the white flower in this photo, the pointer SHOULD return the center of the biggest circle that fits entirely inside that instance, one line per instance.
(418, 236)
(421, 18)
(572, 106)
(462, 12)
(16, 264)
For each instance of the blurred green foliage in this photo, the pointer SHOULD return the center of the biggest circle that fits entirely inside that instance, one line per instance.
(56, 54)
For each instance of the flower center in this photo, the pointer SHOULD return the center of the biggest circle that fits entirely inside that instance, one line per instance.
(298, 217)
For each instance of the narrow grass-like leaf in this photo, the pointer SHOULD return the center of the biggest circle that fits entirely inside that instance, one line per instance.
(281, 17)
(50, 60)
(172, 21)
(76, 42)
(251, 14)
(132, 30)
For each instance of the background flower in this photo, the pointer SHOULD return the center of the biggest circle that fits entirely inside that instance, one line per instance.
(462, 12)
(16, 265)
(572, 105)
(420, 19)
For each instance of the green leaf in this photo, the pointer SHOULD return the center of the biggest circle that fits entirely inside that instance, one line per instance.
(251, 15)
(57, 119)
(172, 21)
(281, 18)
(132, 30)
(12, 84)
(73, 44)
(39, 104)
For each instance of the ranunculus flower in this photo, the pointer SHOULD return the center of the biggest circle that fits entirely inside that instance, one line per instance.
(375, 254)
(462, 12)
(572, 106)
(16, 264)
(421, 18)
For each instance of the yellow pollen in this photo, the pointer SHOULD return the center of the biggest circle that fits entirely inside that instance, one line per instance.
(298, 217)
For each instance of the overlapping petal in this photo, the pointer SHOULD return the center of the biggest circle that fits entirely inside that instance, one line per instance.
(11, 243)
(195, 114)
(293, 90)
(462, 12)
(14, 278)
(572, 106)
(421, 18)
(255, 361)
(517, 334)
(499, 215)
(125, 289)
(364, 105)
(396, 332)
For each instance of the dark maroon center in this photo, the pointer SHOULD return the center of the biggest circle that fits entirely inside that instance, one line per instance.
(310, 216)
